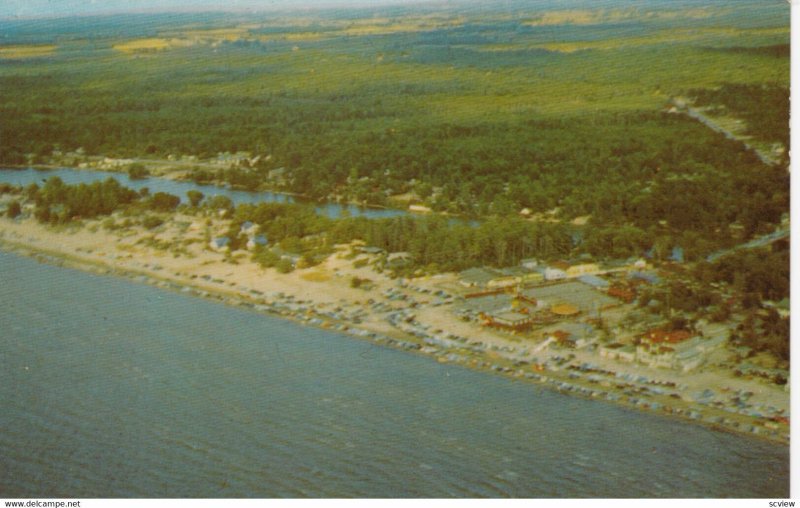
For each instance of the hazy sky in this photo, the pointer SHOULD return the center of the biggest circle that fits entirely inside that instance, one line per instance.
(37, 8)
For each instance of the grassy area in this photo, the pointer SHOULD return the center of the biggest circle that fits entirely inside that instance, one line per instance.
(25, 52)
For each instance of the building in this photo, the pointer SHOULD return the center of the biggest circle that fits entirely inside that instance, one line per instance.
(649, 277)
(398, 259)
(248, 228)
(419, 209)
(625, 294)
(478, 277)
(678, 350)
(581, 334)
(582, 269)
(370, 250)
(510, 320)
(562, 338)
(257, 240)
(220, 244)
(594, 281)
(574, 293)
(554, 274)
(565, 310)
(503, 281)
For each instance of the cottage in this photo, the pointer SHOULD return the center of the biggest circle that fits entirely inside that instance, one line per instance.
(529, 263)
(554, 274)
(610, 350)
(371, 250)
(419, 209)
(398, 259)
(248, 228)
(257, 240)
(220, 243)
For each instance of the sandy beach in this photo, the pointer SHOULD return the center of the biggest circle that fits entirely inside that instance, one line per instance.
(415, 315)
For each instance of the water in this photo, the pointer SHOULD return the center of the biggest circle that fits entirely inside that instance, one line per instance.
(110, 388)
(28, 176)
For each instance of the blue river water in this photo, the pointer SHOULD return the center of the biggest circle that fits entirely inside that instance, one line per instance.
(28, 176)
(111, 388)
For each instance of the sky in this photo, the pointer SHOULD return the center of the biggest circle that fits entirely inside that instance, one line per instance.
(60, 8)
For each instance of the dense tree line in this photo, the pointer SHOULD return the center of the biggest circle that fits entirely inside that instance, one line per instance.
(764, 107)
(57, 202)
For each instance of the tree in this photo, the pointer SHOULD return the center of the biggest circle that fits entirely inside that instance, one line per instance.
(164, 202)
(195, 197)
(14, 209)
(137, 171)
(284, 265)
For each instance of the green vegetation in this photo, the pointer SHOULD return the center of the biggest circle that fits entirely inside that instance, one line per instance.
(764, 107)
(13, 210)
(195, 197)
(763, 273)
(58, 203)
(138, 171)
(476, 113)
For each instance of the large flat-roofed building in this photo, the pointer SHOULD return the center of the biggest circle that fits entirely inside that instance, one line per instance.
(511, 320)
(575, 294)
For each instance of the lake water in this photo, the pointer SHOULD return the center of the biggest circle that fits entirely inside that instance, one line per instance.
(111, 388)
(28, 176)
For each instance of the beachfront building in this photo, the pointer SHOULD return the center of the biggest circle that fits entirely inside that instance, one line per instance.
(679, 350)
(509, 320)
(573, 293)
(617, 351)
(580, 335)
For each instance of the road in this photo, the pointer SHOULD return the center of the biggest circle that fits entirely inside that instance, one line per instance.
(711, 124)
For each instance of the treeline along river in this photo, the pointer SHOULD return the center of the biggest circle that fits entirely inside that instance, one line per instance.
(29, 176)
(116, 389)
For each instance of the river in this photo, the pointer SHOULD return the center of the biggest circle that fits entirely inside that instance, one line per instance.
(28, 176)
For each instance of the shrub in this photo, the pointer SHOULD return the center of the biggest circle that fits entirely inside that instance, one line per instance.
(14, 209)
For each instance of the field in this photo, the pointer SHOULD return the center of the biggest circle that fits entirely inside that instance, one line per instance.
(25, 51)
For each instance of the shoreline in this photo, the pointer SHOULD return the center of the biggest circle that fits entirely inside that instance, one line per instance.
(177, 176)
(404, 333)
